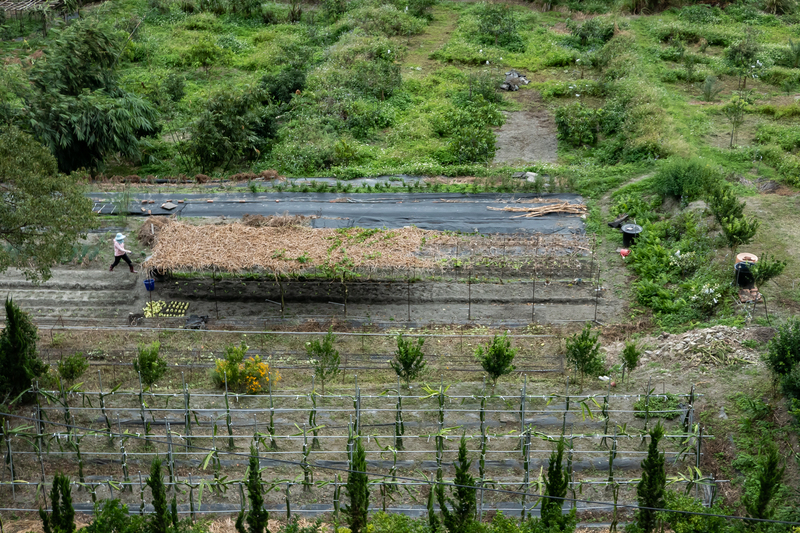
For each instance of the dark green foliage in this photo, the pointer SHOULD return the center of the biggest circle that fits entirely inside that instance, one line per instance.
(357, 489)
(631, 355)
(175, 87)
(463, 503)
(217, 7)
(77, 109)
(578, 124)
(595, 31)
(227, 129)
(18, 357)
(648, 407)
(651, 489)
(711, 88)
(325, 358)
(687, 179)
(583, 352)
(409, 361)
(723, 203)
(496, 358)
(204, 53)
(471, 139)
(688, 523)
(72, 367)
(245, 8)
(293, 526)
(47, 214)
(743, 54)
(62, 517)
(556, 484)
(790, 383)
(783, 350)
(151, 365)
(739, 231)
(160, 519)
(498, 25)
(768, 479)
(257, 517)
(766, 268)
(282, 85)
(111, 516)
(481, 87)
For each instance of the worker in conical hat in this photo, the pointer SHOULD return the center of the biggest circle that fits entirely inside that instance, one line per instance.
(121, 253)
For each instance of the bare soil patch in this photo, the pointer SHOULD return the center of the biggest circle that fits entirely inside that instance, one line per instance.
(526, 137)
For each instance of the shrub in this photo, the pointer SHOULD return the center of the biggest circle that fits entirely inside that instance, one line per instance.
(648, 408)
(767, 268)
(249, 375)
(497, 24)
(18, 357)
(687, 179)
(583, 352)
(711, 89)
(281, 85)
(324, 357)
(578, 124)
(204, 53)
(217, 7)
(724, 204)
(409, 361)
(175, 87)
(227, 129)
(630, 356)
(768, 481)
(597, 31)
(72, 367)
(783, 350)
(739, 231)
(149, 364)
(160, 519)
(62, 517)
(497, 357)
(246, 8)
(637, 207)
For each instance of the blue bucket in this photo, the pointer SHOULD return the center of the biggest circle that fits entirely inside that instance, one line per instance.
(150, 284)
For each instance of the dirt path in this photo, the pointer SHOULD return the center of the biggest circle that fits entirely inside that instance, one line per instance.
(528, 135)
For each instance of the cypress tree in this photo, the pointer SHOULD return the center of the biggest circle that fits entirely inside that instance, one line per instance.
(769, 480)
(556, 484)
(358, 489)
(160, 520)
(464, 505)
(651, 489)
(18, 357)
(258, 516)
(62, 518)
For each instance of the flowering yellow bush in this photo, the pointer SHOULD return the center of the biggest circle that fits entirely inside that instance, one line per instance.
(249, 375)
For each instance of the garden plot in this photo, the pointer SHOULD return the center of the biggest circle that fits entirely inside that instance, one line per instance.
(103, 438)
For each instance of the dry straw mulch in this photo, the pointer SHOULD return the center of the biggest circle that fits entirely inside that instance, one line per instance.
(237, 248)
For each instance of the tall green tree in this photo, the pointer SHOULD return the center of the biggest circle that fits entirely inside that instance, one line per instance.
(257, 517)
(358, 489)
(42, 213)
(464, 503)
(62, 518)
(759, 503)
(160, 519)
(74, 104)
(556, 484)
(18, 360)
(651, 489)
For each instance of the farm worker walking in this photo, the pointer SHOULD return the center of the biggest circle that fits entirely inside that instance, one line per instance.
(120, 252)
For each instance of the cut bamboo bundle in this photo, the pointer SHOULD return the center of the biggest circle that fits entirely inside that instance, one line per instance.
(563, 207)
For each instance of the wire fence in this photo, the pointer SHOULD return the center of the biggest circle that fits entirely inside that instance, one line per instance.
(305, 439)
